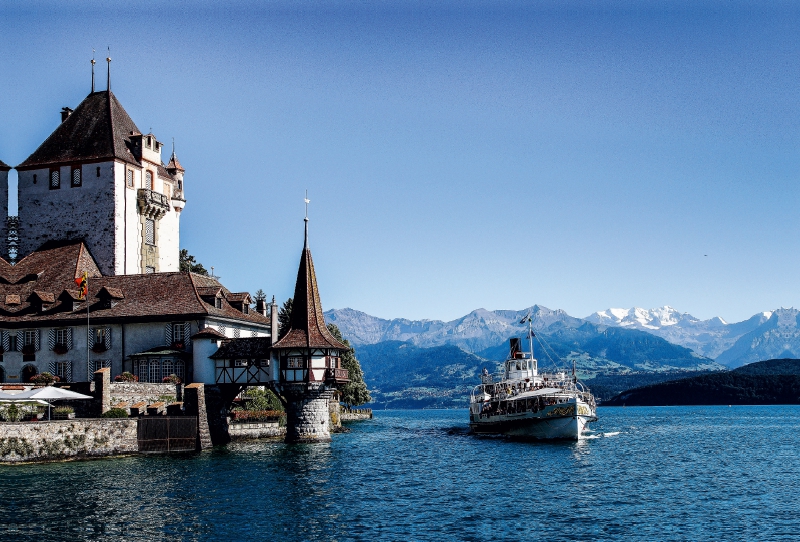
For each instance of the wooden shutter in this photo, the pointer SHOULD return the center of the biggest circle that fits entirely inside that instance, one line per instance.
(37, 335)
(107, 338)
(69, 338)
(168, 334)
(51, 340)
(187, 329)
(20, 340)
(90, 342)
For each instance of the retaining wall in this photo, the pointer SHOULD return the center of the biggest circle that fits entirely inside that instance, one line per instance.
(67, 439)
(246, 431)
(355, 414)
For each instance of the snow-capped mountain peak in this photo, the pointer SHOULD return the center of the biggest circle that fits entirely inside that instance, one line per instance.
(644, 318)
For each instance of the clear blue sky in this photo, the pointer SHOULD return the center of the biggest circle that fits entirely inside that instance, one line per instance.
(575, 154)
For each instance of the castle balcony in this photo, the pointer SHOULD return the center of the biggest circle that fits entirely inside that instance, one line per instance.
(337, 376)
(152, 204)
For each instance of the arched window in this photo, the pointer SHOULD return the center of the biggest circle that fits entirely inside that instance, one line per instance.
(28, 372)
(168, 367)
(155, 371)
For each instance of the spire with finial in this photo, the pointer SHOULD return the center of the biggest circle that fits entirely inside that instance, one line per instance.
(305, 243)
(306, 323)
(108, 60)
(93, 63)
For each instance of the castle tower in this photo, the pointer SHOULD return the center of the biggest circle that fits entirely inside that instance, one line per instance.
(98, 178)
(308, 360)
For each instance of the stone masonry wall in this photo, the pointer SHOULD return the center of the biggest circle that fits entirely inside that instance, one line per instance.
(308, 417)
(68, 439)
(133, 392)
(246, 431)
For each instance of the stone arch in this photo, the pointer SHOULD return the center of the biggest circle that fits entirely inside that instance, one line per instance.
(28, 372)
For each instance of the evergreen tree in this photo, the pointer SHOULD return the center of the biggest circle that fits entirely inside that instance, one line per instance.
(188, 263)
(284, 318)
(355, 392)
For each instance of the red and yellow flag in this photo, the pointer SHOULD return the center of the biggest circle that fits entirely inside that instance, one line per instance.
(83, 284)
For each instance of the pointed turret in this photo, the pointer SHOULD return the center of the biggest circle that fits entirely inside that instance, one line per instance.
(307, 325)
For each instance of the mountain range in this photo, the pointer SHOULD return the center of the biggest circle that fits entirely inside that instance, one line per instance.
(433, 363)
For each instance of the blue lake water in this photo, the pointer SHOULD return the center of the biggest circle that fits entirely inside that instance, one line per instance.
(672, 473)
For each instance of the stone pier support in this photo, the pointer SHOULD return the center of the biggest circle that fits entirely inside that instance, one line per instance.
(102, 389)
(308, 415)
(194, 402)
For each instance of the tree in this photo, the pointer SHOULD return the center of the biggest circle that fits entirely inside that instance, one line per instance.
(188, 263)
(260, 295)
(355, 392)
(284, 318)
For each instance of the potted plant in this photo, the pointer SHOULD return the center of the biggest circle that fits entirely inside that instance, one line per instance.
(29, 349)
(99, 348)
(171, 379)
(45, 379)
(60, 348)
(126, 377)
(64, 413)
(178, 345)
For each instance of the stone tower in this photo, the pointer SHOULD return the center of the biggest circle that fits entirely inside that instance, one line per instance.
(308, 360)
(99, 179)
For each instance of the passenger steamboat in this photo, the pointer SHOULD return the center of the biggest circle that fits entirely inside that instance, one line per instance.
(525, 404)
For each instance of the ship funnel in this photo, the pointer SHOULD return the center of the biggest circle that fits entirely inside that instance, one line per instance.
(515, 346)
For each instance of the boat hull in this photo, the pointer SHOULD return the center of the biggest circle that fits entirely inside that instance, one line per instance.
(554, 422)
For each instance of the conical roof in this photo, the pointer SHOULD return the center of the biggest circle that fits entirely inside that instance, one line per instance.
(174, 163)
(99, 128)
(307, 325)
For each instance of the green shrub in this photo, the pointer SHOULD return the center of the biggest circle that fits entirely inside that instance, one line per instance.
(12, 413)
(115, 413)
(262, 399)
(64, 410)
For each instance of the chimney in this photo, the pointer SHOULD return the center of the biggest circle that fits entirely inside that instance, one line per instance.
(261, 306)
(65, 112)
(274, 320)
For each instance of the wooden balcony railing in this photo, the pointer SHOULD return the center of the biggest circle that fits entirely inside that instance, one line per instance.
(339, 376)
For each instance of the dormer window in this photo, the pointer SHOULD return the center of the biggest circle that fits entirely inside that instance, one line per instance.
(148, 142)
(76, 177)
(55, 179)
(218, 302)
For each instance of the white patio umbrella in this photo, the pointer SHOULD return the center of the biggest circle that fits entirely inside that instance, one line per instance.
(48, 393)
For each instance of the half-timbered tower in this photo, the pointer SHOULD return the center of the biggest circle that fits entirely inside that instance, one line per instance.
(307, 360)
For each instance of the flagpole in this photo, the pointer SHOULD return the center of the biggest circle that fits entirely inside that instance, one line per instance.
(88, 372)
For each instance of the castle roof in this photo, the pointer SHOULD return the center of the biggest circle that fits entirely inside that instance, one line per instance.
(53, 268)
(174, 163)
(4, 166)
(99, 128)
(250, 347)
(307, 325)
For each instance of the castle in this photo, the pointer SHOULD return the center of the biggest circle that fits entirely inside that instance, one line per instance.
(97, 201)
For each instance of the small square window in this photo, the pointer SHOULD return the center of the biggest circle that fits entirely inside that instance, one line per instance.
(76, 177)
(147, 142)
(55, 179)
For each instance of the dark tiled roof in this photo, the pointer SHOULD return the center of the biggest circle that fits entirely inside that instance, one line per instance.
(240, 297)
(209, 291)
(45, 297)
(174, 163)
(307, 325)
(54, 267)
(98, 129)
(208, 333)
(4, 166)
(250, 348)
(163, 173)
